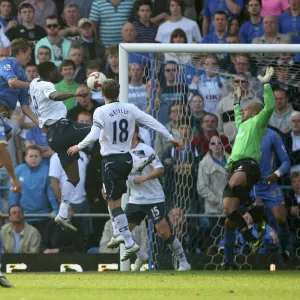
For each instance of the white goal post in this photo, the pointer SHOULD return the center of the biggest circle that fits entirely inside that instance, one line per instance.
(126, 48)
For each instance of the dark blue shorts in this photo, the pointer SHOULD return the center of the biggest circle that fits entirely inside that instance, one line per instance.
(64, 134)
(115, 171)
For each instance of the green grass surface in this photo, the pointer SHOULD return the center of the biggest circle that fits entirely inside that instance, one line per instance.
(155, 285)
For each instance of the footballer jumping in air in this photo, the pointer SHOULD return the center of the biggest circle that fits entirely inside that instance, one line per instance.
(252, 124)
(61, 132)
(13, 80)
(114, 126)
(270, 192)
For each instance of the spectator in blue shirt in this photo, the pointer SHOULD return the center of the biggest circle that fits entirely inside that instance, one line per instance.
(37, 196)
(7, 21)
(220, 32)
(35, 136)
(253, 28)
(289, 22)
(230, 7)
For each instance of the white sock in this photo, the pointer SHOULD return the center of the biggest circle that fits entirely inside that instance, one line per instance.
(122, 224)
(67, 191)
(176, 247)
(142, 255)
(114, 225)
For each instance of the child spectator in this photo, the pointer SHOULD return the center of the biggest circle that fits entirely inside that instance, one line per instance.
(112, 57)
(92, 47)
(67, 85)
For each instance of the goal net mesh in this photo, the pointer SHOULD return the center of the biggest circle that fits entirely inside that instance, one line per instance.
(179, 90)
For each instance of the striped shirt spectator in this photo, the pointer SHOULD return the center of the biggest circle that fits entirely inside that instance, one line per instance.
(145, 29)
(110, 18)
(145, 34)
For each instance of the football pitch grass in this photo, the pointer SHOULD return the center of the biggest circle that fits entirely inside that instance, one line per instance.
(154, 285)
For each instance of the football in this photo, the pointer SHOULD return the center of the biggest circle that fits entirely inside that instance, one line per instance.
(95, 81)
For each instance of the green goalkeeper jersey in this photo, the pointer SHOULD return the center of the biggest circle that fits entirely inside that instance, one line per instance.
(251, 132)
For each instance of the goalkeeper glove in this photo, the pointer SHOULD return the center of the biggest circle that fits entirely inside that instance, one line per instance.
(267, 77)
(237, 94)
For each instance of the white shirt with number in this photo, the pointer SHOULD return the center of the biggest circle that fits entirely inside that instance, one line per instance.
(56, 170)
(151, 190)
(114, 125)
(48, 111)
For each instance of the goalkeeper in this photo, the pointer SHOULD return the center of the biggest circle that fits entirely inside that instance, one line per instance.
(252, 124)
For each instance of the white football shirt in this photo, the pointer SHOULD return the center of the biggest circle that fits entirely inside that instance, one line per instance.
(151, 190)
(48, 111)
(56, 170)
(114, 125)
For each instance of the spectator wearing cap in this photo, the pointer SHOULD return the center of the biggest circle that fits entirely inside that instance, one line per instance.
(43, 9)
(271, 34)
(92, 47)
(108, 17)
(71, 16)
(27, 29)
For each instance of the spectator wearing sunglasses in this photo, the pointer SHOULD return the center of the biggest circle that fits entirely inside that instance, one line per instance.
(225, 113)
(59, 46)
(212, 176)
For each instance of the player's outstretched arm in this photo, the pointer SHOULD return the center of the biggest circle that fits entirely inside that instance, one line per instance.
(237, 95)
(15, 83)
(156, 173)
(157, 126)
(91, 138)
(60, 96)
(265, 115)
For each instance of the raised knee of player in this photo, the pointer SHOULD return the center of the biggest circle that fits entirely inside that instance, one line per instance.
(163, 229)
(131, 226)
(113, 204)
(230, 205)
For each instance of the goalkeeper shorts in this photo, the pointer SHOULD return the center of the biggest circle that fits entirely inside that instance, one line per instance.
(252, 170)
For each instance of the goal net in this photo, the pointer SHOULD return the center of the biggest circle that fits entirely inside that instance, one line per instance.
(189, 89)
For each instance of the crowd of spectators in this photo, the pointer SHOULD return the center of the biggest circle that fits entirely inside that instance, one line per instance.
(190, 93)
